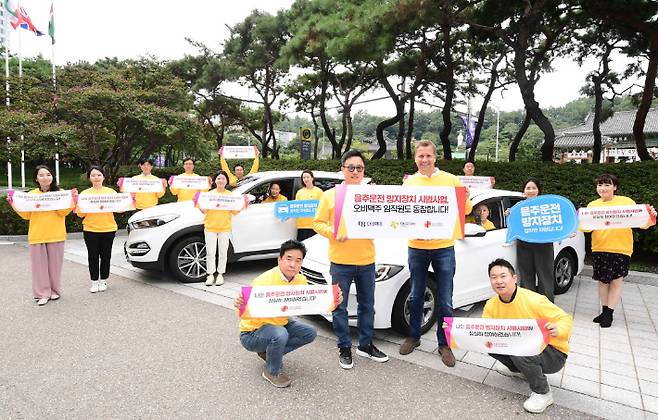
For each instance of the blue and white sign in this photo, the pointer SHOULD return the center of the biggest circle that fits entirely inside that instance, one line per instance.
(295, 209)
(543, 219)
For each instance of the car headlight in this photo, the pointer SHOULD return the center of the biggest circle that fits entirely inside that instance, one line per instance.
(386, 271)
(153, 222)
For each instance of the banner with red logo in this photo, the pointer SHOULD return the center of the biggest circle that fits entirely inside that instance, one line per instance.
(515, 337)
(616, 217)
(105, 203)
(213, 201)
(238, 152)
(394, 211)
(55, 200)
(482, 182)
(185, 182)
(276, 301)
(140, 185)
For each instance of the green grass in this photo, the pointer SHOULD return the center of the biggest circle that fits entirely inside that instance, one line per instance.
(68, 178)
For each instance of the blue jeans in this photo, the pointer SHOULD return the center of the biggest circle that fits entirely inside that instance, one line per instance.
(443, 263)
(277, 341)
(364, 279)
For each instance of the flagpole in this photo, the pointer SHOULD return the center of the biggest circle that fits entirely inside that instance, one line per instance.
(52, 62)
(7, 100)
(20, 78)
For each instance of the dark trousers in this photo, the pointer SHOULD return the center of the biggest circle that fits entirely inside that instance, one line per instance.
(99, 248)
(535, 266)
(534, 368)
(303, 234)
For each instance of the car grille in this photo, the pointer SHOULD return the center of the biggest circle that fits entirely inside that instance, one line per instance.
(313, 276)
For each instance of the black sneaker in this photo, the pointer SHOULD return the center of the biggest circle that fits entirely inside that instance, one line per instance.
(345, 357)
(372, 352)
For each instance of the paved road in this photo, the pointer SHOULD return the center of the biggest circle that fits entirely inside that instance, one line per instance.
(138, 351)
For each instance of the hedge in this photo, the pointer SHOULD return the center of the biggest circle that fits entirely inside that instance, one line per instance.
(575, 181)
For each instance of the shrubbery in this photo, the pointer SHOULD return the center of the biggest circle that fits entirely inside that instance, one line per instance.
(638, 181)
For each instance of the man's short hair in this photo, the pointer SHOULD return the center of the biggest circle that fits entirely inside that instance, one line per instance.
(469, 161)
(292, 244)
(501, 262)
(190, 159)
(236, 166)
(145, 160)
(350, 154)
(426, 143)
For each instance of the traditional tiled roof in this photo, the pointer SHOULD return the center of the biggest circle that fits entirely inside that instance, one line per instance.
(579, 140)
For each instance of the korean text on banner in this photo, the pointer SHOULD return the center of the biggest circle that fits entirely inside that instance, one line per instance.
(616, 217)
(139, 185)
(210, 201)
(183, 182)
(56, 200)
(515, 337)
(482, 182)
(295, 209)
(238, 152)
(105, 203)
(543, 219)
(275, 301)
(394, 211)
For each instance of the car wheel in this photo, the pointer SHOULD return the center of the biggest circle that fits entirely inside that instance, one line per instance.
(564, 270)
(187, 259)
(400, 315)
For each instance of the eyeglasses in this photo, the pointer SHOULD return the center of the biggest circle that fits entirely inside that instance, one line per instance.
(353, 168)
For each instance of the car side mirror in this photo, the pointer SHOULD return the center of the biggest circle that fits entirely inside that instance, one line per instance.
(472, 230)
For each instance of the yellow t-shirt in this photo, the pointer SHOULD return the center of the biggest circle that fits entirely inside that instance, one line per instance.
(219, 220)
(185, 194)
(530, 305)
(146, 199)
(619, 241)
(232, 179)
(350, 252)
(438, 179)
(314, 193)
(488, 224)
(98, 222)
(272, 277)
(45, 226)
(279, 198)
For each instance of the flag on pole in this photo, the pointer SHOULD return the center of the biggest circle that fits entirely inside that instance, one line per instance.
(51, 24)
(19, 17)
(469, 128)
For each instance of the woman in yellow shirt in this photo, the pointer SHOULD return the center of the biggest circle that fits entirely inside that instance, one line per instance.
(98, 230)
(217, 231)
(611, 250)
(274, 194)
(308, 192)
(46, 236)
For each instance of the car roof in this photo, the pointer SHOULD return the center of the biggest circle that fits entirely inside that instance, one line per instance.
(483, 194)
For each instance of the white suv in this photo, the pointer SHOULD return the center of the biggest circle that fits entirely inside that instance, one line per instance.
(169, 237)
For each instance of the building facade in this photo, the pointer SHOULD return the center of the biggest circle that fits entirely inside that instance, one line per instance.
(4, 28)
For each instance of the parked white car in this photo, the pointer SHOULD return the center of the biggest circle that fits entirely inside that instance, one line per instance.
(169, 237)
(473, 255)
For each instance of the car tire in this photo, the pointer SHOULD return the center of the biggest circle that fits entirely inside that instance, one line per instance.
(564, 270)
(400, 315)
(187, 259)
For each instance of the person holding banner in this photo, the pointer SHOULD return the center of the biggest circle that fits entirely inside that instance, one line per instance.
(351, 260)
(238, 168)
(308, 192)
(611, 250)
(185, 194)
(98, 230)
(46, 236)
(274, 194)
(144, 200)
(217, 231)
(272, 338)
(438, 252)
(513, 302)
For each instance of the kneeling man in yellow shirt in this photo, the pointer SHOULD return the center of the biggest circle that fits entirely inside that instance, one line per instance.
(513, 302)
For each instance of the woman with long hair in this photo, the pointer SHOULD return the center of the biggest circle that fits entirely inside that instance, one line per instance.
(308, 192)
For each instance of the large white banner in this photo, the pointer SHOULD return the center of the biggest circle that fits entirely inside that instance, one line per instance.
(483, 182)
(276, 301)
(140, 185)
(238, 152)
(394, 211)
(616, 217)
(105, 203)
(515, 337)
(184, 182)
(210, 201)
(56, 200)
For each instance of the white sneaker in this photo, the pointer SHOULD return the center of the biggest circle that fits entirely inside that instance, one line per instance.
(54, 296)
(94, 286)
(102, 285)
(210, 280)
(42, 301)
(220, 280)
(504, 370)
(537, 403)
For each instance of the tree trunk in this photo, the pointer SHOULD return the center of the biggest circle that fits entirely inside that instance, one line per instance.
(450, 93)
(316, 129)
(389, 122)
(645, 103)
(400, 137)
(596, 124)
(380, 136)
(331, 135)
(514, 147)
(410, 126)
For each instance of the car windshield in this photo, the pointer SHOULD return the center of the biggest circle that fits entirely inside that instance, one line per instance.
(246, 180)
